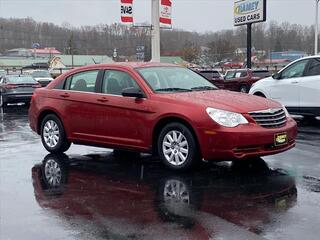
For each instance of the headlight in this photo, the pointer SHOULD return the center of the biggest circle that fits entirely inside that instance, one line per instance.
(225, 118)
(286, 111)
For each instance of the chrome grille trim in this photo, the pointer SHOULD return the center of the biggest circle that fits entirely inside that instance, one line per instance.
(270, 118)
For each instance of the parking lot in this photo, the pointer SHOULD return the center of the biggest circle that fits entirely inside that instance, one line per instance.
(101, 195)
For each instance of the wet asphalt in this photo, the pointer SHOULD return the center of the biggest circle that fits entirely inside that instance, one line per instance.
(94, 193)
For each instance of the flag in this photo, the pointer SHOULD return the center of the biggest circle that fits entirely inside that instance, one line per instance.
(165, 13)
(127, 11)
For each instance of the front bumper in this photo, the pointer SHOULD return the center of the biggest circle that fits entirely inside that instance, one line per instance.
(244, 141)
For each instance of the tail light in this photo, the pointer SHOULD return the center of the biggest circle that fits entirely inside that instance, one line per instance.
(38, 85)
(10, 86)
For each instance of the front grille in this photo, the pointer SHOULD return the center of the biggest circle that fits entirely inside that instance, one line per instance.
(271, 118)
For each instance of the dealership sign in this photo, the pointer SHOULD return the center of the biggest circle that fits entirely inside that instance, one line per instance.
(249, 11)
(165, 13)
(127, 11)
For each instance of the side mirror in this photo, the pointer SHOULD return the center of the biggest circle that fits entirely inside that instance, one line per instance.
(276, 76)
(132, 92)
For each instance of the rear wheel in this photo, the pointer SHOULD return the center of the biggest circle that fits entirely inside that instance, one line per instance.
(177, 147)
(53, 135)
(244, 89)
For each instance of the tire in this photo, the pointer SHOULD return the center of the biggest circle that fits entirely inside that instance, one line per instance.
(243, 89)
(53, 135)
(177, 147)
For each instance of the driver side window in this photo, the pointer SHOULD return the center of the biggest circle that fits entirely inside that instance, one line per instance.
(295, 70)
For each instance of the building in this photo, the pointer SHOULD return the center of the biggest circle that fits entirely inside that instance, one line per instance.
(36, 53)
(82, 60)
(287, 55)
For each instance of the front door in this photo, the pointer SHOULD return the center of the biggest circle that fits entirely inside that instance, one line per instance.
(286, 88)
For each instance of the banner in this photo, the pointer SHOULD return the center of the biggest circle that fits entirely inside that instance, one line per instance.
(165, 13)
(127, 11)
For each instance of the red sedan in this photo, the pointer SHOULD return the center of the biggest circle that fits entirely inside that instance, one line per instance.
(167, 110)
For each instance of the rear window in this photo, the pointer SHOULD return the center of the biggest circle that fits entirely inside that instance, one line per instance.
(20, 79)
(41, 74)
(261, 74)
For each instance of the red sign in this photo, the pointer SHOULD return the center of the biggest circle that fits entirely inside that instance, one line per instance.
(165, 13)
(127, 11)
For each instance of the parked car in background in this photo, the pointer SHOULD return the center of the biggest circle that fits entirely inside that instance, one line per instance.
(163, 109)
(240, 80)
(16, 89)
(37, 66)
(41, 76)
(297, 86)
(211, 75)
(2, 73)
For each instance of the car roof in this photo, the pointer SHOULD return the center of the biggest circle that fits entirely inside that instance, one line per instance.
(128, 65)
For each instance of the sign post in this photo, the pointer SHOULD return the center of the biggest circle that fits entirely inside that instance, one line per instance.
(247, 12)
(155, 33)
(249, 45)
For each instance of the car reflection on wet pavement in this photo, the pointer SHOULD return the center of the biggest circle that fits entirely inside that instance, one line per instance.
(93, 193)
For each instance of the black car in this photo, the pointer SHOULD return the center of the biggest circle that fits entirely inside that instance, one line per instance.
(16, 89)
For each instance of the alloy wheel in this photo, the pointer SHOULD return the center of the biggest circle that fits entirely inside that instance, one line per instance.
(51, 133)
(175, 147)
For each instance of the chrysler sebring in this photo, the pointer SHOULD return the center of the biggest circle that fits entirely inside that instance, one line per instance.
(166, 110)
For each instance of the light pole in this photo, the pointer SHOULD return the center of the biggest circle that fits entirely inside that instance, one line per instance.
(316, 27)
(155, 33)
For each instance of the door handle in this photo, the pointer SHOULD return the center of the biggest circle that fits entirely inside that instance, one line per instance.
(65, 95)
(103, 99)
(294, 81)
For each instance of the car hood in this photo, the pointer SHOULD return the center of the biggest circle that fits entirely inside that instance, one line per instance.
(225, 100)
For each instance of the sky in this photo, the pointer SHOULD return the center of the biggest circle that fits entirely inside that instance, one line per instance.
(192, 15)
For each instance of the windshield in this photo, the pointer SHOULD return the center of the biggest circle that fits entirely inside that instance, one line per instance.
(20, 79)
(41, 74)
(174, 79)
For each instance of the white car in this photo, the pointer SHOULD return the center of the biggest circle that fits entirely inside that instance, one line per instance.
(297, 86)
(41, 76)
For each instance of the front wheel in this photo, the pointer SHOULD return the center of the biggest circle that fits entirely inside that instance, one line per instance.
(53, 135)
(177, 147)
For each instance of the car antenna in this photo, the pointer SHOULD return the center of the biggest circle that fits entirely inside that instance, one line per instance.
(94, 61)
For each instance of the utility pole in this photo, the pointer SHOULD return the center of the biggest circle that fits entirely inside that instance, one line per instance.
(316, 27)
(155, 31)
(249, 45)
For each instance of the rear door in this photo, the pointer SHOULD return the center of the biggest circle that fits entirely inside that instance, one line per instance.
(79, 104)
(126, 118)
